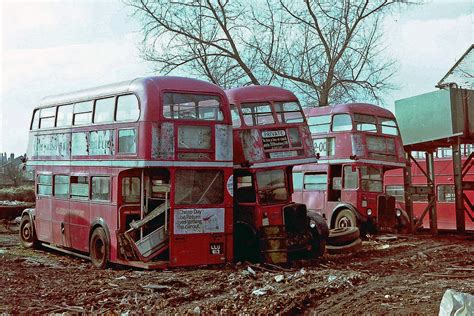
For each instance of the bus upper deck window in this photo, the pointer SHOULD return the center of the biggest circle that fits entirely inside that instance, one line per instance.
(82, 113)
(47, 117)
(257, 114)
(236, 121)
(319, 124)
(365, 123)
(104, 110)
(127, 108)
(35, 122)
(341, 122)
(388, 126)
(64, 115)
(289, 112)
(192, 107)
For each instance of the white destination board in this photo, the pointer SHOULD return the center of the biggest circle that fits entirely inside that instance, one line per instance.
(199, 220)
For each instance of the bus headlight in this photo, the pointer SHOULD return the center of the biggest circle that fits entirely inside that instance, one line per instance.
(398, 212)
(369, 211)
(312, 223)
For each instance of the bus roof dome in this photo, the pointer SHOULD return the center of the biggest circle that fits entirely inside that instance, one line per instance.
(362, 108)
(258, 94)
(160, 82)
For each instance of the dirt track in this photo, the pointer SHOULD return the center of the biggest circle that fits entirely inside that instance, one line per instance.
(407, 275)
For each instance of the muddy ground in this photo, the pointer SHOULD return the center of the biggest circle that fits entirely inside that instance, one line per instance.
(404, 276)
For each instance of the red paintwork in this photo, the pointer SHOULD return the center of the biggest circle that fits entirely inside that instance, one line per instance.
(67, 223)
(446, 211)
(256, 94)
(269, 94)
(318, 200)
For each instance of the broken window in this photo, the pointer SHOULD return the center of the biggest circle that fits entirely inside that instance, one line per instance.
(199, 187)
(272, 186)
(79, 187)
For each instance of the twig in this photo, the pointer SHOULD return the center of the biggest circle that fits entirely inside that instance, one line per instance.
(278, 267)
(460, 269)
(450, 276)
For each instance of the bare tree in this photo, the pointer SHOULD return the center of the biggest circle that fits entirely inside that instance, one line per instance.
(327, 51)
(204, 37)
(13, 174)
(330, 50)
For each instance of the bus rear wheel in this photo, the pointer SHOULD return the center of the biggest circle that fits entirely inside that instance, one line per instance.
(99, 248)
(27, 232)
(345, 218)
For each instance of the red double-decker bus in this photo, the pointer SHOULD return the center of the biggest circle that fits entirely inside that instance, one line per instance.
(356, 144)
(134, 173)
(444, 190)
(270, 137)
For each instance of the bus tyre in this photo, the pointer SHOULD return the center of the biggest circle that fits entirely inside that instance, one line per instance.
(345, 218)
(99, 248)
(343, 236)
(27, 232)
(352, 247)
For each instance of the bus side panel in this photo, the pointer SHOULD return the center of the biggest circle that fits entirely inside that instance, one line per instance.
(60, 222)
(197, 249)
(79, 225)
(188, 249)
(43, 223)
(108, 213)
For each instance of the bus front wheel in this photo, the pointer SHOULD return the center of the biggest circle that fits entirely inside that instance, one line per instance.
(345, 218)
(99, 248)
(27, 232)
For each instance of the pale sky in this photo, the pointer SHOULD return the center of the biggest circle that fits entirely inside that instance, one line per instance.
(51, 47)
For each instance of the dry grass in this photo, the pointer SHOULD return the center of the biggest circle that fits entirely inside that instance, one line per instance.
(25, 193)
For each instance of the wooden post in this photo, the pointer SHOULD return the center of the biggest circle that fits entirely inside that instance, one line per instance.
(407, 189)
(432, 196)
(458, 189)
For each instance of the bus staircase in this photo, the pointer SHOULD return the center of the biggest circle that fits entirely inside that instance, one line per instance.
(149, 245)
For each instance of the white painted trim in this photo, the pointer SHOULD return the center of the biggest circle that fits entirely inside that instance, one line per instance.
(376, 162)
(292, 162)
(128, 163)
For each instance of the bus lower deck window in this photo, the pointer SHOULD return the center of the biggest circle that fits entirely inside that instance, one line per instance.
(45, 184)
(100, 188)
(61, 186)
(199, 187)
